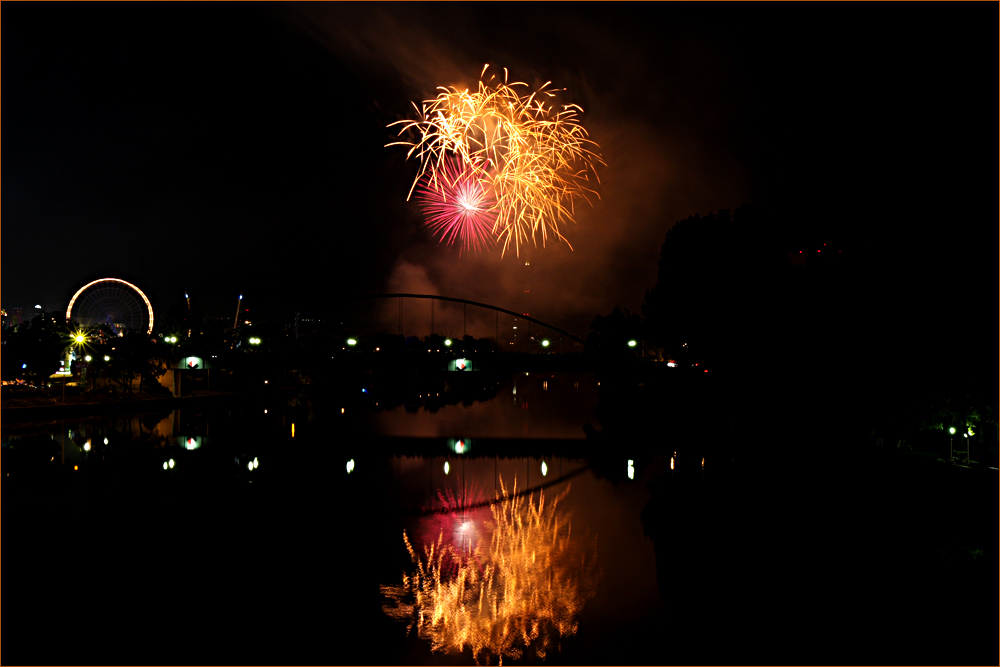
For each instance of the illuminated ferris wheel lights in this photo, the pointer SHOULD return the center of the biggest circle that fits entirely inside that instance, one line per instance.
(113, 301)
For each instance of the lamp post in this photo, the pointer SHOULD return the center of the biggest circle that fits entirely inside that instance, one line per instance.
(951, 445)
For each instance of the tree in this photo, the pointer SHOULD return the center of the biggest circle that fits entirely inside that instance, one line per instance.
(33, 351)
(610, 334)
(136, 356)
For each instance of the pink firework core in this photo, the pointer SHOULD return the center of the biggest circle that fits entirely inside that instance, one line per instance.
(458, 206)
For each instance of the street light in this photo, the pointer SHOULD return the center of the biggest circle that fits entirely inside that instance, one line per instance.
(631, 343)
(80, 338)
(545, 343)
(447, 342)
(352, 341)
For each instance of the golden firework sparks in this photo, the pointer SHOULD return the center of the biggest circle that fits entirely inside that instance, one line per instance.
(523, 591)
(537, 160)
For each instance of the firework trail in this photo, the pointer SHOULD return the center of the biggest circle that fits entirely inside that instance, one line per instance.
(458, 205)
(535, 160)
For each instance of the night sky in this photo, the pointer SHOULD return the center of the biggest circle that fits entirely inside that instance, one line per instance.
(235, 148)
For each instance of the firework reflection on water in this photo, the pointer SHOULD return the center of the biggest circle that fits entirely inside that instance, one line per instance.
(519, 588)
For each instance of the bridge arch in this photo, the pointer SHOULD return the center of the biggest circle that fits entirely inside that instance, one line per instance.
(472, 303)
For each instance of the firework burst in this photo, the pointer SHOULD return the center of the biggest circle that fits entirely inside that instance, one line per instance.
(458, 206)
(534, 159)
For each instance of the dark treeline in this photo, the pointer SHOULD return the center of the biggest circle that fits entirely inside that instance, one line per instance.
(825, 328)
(822, 338)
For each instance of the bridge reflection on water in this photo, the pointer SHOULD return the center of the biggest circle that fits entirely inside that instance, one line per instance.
(291, 501)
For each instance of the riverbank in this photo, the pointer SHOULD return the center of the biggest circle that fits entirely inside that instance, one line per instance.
(17, 410)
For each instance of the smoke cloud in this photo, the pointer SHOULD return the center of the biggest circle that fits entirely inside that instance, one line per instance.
(665, 152)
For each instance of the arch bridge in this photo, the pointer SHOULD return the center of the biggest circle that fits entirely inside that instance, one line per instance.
(467, 303)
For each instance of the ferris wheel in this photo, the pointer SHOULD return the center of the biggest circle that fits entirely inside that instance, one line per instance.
(111, 301)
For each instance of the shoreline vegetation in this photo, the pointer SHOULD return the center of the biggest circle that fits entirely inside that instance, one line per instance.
(42, 407)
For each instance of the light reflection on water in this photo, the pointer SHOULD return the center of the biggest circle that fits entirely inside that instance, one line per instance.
(530, 606)
(498, 585)
(544, 405)
(601, 533)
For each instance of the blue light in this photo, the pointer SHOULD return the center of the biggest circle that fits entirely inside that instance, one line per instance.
(364, 391)
(24, 365)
